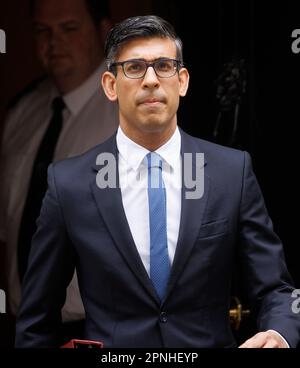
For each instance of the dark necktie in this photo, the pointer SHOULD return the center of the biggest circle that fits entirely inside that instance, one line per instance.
(159, 257)
(38, 184)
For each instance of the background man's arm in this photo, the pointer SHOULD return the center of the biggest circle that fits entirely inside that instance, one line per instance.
(51, 267)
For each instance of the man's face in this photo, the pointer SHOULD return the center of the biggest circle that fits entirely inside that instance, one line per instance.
(149, 104)
(67, 41)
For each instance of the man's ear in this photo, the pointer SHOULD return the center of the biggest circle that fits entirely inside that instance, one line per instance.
(109, 86)
(184, 78)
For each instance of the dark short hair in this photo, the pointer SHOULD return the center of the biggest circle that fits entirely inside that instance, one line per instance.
(147, 26)
(98, 9)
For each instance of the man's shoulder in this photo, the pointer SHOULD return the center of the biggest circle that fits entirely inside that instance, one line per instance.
(81, 164)
(28, 104)
(210, 149)
(30, 93)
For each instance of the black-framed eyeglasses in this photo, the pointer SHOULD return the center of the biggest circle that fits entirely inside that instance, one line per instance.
(137, 68)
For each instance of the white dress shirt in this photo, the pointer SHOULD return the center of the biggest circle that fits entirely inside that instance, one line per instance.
(133, 171)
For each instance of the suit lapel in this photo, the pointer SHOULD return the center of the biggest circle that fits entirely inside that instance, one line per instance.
(192, 211)
(110, 206)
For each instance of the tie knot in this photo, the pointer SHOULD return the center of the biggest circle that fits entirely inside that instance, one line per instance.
(58, 104)
(154, 160)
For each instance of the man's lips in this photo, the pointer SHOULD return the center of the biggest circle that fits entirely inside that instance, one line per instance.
(57, 56)
(151, 101)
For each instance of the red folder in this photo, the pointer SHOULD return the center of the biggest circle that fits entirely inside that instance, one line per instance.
(78, 344)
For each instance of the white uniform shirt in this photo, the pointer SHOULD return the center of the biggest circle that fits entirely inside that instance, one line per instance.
(89, 119)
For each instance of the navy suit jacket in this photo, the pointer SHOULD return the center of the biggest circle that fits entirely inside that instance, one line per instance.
(85, 227)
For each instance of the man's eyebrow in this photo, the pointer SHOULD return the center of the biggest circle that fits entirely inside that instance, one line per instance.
(39, 23)
(63, 22)
(151, 60)
(70, 21)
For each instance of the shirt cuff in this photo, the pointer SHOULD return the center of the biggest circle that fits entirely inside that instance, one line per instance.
(287, 344)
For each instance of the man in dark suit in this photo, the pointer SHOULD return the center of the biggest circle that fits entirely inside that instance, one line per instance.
(154, 261)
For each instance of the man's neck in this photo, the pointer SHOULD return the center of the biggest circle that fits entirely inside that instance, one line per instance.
(150, 140)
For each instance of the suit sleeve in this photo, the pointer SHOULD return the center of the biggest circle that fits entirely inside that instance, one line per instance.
(50, 270)
(263, 262)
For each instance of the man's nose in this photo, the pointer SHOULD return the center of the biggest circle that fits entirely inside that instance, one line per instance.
(56, 36)
(150, 79)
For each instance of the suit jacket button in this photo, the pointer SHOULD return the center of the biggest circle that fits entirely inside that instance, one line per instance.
(163, 317)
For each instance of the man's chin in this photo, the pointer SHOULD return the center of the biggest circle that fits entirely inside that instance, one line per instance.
(59, 69)
(155, 127)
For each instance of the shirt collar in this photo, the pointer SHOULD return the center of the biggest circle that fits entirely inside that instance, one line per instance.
(170, 151)
(76, 99)
(133, 154)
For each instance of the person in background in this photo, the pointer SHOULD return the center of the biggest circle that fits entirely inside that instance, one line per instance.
(65, 114)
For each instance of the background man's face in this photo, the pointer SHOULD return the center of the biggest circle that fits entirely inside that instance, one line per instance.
(67, 41)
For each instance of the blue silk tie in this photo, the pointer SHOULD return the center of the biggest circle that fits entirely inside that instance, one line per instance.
(159, 257)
